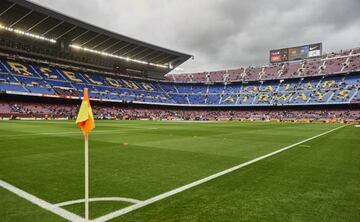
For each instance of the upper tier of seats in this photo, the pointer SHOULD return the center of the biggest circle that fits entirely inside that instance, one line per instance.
(40, 80)
(333, 63)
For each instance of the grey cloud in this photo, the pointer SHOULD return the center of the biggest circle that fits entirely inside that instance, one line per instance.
(224, 33)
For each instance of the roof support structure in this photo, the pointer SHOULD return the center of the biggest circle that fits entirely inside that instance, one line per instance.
(21, 18)
(121, 48)
(91, 39)
(3, 12)
(46, 32)
(49, 25)
(38, 23)
(112, 45)
(164, 59)
(156, 57)
(86, 31)
(142, 51)
(149, 54)
(66, 32)
(101, 43)
(130, 51)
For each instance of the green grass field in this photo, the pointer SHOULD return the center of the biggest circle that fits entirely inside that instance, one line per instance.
(318, 180)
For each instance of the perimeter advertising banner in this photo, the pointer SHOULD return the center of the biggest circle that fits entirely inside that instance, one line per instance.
(296, 53)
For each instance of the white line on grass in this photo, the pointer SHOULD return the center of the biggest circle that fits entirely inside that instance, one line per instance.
(117, 199)
(54, 133)
(118, 131)
(201, 181)
(41, 203)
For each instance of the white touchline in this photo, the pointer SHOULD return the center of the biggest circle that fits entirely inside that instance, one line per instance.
(201, 181)
(117, 131)
(42, 203)
(96, 199)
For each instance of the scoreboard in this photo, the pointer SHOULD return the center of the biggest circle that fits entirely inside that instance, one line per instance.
(296, 53)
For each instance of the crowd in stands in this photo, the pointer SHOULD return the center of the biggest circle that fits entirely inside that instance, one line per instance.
(31, 79)
(333, 80)
(36, 110)
(51, 111)
(343, 61)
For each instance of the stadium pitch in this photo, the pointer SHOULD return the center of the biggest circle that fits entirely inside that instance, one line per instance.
(176, 171)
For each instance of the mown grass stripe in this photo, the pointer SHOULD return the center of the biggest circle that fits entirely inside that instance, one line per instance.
(162, 196)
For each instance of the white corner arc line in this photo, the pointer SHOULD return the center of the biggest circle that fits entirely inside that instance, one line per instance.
(201, 181)
(42, 203)
(96, 199)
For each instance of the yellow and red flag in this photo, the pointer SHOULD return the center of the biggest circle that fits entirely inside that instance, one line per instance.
(85, 118)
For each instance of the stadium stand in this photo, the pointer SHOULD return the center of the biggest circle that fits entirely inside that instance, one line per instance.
(68, 111)
(330, 64)
(36, 79)
(62, 61)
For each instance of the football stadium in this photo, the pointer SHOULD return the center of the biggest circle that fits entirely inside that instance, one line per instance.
(98, 126)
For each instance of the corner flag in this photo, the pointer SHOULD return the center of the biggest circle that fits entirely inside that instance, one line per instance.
(85, 120)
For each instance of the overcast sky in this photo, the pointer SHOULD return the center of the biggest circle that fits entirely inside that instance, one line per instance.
(224, 33)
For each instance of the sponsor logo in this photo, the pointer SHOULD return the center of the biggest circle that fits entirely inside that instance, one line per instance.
(313, 48)
(314, 53)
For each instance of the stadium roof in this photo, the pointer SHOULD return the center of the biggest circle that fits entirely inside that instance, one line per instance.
(38, 20)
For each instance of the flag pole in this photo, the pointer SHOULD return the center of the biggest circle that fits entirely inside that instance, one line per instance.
(87, 177)
(85, 120)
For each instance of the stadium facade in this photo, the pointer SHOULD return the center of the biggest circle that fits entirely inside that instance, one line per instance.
(47, 59)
